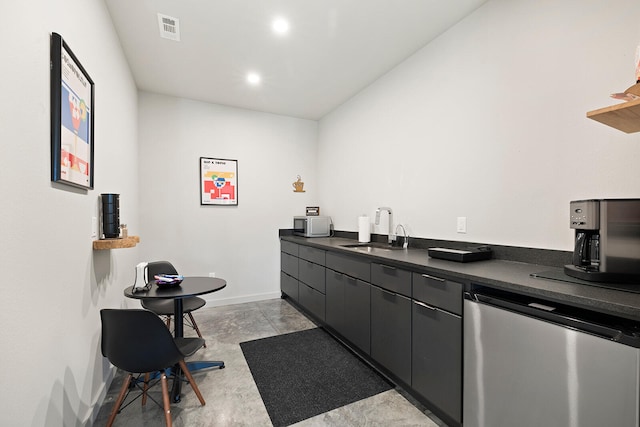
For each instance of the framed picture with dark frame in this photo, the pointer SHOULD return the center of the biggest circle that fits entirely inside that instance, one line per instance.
(72, 118)
(218, 182)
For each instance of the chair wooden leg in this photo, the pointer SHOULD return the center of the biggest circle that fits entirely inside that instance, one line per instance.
(194, 386)
(116, 405)
(145, 388)
(195, 326)
(165, 398)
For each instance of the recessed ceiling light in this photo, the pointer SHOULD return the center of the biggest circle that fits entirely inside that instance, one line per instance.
(280, 26)
(253, 79)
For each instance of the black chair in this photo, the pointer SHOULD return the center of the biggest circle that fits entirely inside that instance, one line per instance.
(163, 307)
(137, 341)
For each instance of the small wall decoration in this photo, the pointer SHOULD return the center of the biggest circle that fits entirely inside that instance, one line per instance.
(72, 118)
(218, 182)
(298, 186)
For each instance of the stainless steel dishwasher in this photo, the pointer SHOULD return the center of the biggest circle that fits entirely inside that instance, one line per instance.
(534, 363)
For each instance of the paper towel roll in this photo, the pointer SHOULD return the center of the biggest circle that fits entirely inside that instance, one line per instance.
(364, 229)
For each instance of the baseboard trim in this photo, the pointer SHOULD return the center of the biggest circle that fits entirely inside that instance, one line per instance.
(216, 302)
(93, 414)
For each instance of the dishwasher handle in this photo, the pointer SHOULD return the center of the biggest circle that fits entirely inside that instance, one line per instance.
(604, 326)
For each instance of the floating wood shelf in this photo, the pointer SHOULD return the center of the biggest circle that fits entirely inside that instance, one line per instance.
(624, 116)
(127, 242)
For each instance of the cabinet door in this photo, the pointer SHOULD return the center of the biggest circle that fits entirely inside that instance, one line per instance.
(357, 313)
(289, 247)
(289, 285)
(314, 255)
(438, 292)
(289, 264)
(334, 300)
(391, 332)
(391, 278)
(311, 274)
(312, 300)
(437, 358)
(352, 266)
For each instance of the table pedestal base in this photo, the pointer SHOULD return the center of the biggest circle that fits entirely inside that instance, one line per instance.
(176, 390)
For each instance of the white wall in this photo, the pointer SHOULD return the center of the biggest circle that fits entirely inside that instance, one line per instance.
(238, 243)
(53, 284)
(488, 122)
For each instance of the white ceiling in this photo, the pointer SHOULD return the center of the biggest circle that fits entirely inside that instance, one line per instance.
(333, 50)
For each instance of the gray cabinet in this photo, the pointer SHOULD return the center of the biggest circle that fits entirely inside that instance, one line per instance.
(391, 278)
(437, 343)
(289, 285)
(409, 324)
(334, 297)
(289, 264)
(438, 292)
(289, 269)
(289, 248)
(348, 308)
(314, 255)
(391, 332)
(351, 266)
(311, 299)
(311, 274)
(311, 280)
(302, 276)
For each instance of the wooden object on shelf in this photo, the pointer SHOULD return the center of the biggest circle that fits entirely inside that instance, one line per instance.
(127, 242)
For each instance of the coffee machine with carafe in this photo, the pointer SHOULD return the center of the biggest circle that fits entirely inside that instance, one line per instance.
(607, 240)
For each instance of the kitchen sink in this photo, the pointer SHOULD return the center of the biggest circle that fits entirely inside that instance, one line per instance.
(372, 247)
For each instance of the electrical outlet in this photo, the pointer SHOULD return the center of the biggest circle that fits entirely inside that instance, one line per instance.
(212, 274)
(462, 224)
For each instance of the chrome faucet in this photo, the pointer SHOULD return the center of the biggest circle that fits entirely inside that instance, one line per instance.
(390, 220)
(405, 245)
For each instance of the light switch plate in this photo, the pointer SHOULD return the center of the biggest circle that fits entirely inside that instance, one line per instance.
(462, 224)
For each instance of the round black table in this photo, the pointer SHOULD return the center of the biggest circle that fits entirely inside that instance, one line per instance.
(190, 287)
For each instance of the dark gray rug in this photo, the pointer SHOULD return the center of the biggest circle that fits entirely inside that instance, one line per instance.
(304, 374)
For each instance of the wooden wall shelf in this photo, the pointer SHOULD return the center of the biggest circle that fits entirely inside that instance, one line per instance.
(127, 242)
(624, 116)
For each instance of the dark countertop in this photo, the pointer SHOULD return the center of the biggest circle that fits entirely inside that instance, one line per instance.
(500, 274)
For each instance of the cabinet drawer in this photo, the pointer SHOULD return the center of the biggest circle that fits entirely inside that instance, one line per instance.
(312, 254)
(391, 278)
(350, 266)
(288, 247)
(438, 292)
(311, 274)
(311, 300)
(289, 264)
(289, 285)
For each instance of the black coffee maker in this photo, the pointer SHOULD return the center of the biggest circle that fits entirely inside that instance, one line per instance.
(607, 240)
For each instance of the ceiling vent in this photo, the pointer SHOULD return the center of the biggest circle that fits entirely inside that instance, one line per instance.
(169, 27)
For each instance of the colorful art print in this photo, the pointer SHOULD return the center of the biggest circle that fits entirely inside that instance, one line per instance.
(218, 182)
(72, 118)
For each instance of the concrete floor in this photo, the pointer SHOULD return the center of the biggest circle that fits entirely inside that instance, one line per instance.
(231, 394)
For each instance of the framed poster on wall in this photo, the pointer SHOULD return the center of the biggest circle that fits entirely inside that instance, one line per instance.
(72, 117)
(218, 181)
